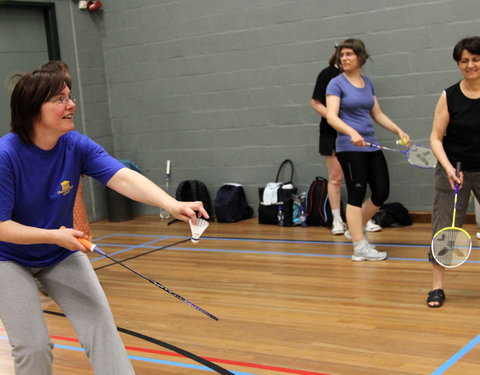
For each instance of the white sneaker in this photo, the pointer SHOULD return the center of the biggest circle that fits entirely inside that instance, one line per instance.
(348, 235)
(478, 235)
(368, 253)
(338, 227)
(372, 227)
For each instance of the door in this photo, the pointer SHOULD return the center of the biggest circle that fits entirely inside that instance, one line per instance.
(28, 39)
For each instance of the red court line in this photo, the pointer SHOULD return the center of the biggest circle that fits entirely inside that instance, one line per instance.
(217, 360)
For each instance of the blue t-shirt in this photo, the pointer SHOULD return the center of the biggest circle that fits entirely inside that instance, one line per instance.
(355, 106)
(38, 189)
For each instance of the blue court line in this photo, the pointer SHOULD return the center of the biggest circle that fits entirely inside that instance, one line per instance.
(259, 252)
(146, 359)
(457, 356)
(147, 245)
(268, 240)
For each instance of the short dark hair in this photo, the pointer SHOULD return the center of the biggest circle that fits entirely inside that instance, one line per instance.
(471, 44)
(55, 66)
(358, 47)
(30, 92)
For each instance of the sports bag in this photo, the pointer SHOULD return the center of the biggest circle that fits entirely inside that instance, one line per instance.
(194, 190)
(392, 215)
(275, 194)
(231, 204)
(317, 208)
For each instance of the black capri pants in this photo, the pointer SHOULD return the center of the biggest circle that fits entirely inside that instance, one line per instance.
(362, 169)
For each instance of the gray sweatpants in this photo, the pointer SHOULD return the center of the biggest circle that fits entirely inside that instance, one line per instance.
(74, 286)
(443, 197)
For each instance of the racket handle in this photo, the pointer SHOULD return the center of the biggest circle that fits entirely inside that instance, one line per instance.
(90, 246)
(458, 168)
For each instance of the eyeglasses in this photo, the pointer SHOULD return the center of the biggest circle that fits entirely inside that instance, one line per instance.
(63, 99)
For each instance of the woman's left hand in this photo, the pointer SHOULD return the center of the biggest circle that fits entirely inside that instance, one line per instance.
(404, 137)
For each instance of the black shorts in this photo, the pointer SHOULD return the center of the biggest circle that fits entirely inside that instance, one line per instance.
(327, 145)
(362, 169)
(328, 137)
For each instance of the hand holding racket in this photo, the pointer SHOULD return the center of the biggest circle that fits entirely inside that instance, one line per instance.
(451, 246)
(417, 155)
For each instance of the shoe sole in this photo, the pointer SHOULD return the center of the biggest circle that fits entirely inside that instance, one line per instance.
(373, 230)
(338, 232)
(356, 258)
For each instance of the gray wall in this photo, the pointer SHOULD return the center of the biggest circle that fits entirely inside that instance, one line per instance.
(222, 87)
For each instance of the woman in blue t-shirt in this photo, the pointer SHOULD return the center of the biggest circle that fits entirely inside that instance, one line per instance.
(351, 106)
(41, 161)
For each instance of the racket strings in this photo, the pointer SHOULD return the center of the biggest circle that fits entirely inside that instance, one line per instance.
(451, 247)
(421, 156)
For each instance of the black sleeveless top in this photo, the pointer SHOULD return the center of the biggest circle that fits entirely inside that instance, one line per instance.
(462, 138)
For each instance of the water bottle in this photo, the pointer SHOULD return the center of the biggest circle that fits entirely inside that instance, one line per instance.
(303, 218)
(281, 218)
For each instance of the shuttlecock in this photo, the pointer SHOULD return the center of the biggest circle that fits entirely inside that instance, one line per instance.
(198, 229)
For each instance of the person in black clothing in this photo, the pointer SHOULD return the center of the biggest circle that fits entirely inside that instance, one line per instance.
(328, 136)
(455, 138)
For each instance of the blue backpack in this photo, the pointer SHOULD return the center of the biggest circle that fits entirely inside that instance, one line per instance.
(231, 204)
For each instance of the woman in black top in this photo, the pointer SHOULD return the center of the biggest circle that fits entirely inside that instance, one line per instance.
(328, 135)
(455, 138)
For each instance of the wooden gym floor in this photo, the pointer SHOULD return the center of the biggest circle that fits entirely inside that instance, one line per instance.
(289, 301)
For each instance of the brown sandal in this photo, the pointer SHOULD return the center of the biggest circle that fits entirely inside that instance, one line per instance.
(436, 295)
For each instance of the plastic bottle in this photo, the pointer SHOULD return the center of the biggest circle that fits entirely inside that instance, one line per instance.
(303, 218)
(281, 217)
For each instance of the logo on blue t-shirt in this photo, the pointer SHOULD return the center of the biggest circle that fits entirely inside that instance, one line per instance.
(66, 187)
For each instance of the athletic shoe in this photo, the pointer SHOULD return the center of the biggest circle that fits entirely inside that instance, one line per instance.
(368, 253)
(338, 227)
(372, 227)
(478, 235)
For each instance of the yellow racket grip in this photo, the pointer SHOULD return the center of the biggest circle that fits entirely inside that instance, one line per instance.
(90, 246)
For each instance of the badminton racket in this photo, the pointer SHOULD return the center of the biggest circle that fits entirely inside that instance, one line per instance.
(92, 247)
(417, 155)
(164, 214)
(451, 246)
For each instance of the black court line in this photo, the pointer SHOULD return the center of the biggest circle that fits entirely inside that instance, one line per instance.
(166, 345)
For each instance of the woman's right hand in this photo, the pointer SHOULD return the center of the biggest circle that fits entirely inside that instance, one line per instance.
(453, 179)
(357, 139)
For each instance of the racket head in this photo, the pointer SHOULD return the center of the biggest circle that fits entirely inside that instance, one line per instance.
(421, 156)
(451, 246)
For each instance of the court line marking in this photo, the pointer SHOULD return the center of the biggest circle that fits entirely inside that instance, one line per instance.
(181, 364)
(439, 371)
(455, 358)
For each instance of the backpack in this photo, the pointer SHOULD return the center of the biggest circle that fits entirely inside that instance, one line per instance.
(194, 190)
(317, 208)
(392, 215)
(231, 204)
